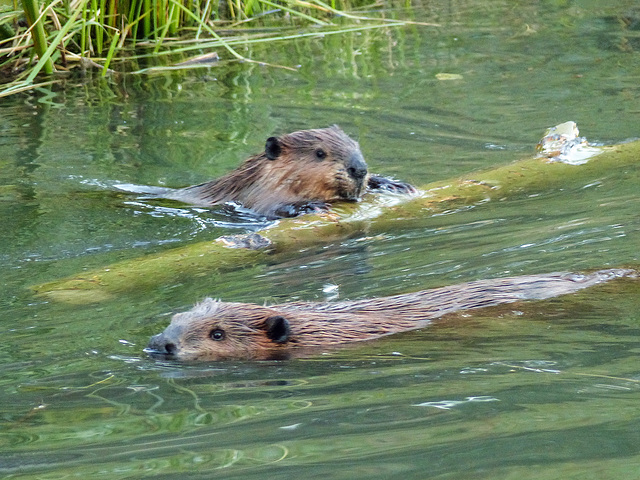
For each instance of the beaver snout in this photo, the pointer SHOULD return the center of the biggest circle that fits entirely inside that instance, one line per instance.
(356, 170)
(160, 345)
(356, 167)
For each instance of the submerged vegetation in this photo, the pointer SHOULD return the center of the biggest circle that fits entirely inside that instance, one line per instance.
(44, 39)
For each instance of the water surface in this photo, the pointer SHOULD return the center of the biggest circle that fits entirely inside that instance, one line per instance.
(544, 390)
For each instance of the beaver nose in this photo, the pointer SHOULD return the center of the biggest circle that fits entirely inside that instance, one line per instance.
(158, 345)
(356, 167)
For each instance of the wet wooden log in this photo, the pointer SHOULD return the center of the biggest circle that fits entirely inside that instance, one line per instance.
(375, 214)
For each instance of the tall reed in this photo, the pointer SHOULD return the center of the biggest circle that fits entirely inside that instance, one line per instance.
(100, 32)
(36, 25)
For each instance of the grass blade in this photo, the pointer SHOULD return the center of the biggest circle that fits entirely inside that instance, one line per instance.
(46, 57)
(112, 49)
(32, 12)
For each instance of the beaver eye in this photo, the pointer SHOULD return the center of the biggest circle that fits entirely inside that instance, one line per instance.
(217, 334)
(321, 154)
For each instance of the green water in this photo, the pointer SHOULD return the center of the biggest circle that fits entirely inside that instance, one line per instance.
(547, 390)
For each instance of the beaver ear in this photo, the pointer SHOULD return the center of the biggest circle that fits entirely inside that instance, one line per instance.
(277, 329)
(272, 148)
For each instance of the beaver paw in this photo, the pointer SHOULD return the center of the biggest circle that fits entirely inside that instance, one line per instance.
(300, 208)
(250, 241)
(385, 184)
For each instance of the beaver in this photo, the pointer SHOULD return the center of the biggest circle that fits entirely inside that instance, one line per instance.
(297, 173)
(215, 330)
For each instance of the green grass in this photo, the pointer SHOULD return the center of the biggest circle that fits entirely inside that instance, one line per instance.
(40, 40)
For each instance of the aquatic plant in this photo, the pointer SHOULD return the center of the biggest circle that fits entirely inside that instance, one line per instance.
(95, 34)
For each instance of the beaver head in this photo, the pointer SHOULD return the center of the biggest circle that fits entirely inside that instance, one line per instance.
(215, 330)
(321, 164)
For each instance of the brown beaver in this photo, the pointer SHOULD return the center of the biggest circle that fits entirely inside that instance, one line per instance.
(297, 173)
(215, 330)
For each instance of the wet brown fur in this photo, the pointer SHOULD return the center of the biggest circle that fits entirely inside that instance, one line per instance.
(267, 185)
(247, 334)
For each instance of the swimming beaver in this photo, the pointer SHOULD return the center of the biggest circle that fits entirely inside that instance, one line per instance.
(297, 173)
(215, 330)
